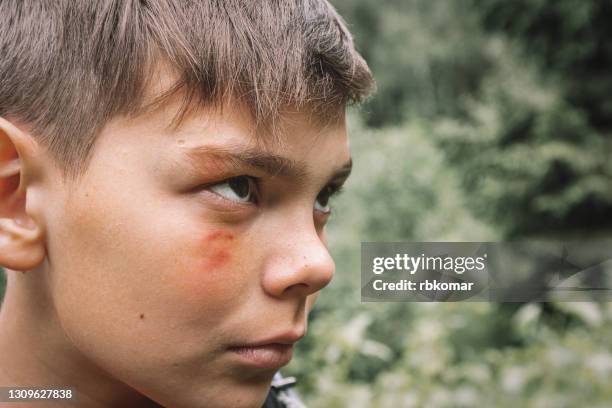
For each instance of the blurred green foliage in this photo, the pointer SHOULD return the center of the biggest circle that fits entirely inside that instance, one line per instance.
(426, 56)
(515, 95)
(491, 122)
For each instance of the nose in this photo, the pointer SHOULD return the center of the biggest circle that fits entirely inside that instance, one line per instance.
(299, 267)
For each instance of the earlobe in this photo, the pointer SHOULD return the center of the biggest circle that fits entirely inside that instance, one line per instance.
(21, 237)
(21, 248)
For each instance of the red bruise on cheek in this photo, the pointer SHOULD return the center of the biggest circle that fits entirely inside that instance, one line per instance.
(209, 272)
(217, 249)
(218, 259)
(218, 235)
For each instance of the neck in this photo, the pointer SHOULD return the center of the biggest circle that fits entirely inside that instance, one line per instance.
(35, 351)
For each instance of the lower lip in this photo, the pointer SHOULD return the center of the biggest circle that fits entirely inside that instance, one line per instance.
(271, 356)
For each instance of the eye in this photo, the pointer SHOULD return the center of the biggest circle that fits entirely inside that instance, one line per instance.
(241, 189)
(322, 202)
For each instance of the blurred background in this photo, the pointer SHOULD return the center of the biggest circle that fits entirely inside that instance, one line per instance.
(492, 122)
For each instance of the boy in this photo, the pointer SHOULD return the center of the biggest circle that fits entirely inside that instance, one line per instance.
(165, 175)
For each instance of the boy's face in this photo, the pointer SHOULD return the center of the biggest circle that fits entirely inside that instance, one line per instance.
(179, 283)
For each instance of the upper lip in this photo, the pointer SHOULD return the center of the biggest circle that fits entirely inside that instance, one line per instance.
(288, 337)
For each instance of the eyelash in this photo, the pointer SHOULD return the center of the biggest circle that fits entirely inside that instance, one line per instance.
(331, 191)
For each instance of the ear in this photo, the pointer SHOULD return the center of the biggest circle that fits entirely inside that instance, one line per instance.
(22, 245)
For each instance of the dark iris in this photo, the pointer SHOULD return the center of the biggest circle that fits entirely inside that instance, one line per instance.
(323, 197)
(241, 186)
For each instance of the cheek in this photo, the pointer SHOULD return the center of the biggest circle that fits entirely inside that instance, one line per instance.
(217, 249)
(215, 268)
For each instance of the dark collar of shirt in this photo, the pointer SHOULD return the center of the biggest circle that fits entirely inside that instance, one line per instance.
(281, 394)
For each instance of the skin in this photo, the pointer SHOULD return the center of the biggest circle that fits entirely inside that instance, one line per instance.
(130, 284)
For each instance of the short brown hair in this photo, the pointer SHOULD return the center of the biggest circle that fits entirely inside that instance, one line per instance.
(67, 67)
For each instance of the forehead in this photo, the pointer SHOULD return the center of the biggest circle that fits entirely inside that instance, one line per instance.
(293, 133)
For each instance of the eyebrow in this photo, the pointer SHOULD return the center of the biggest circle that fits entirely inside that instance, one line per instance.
(266, 162)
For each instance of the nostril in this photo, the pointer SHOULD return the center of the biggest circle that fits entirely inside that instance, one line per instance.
(298, 289)
(300, 268)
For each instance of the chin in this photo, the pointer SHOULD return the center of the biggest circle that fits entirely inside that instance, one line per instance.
(230, 396)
